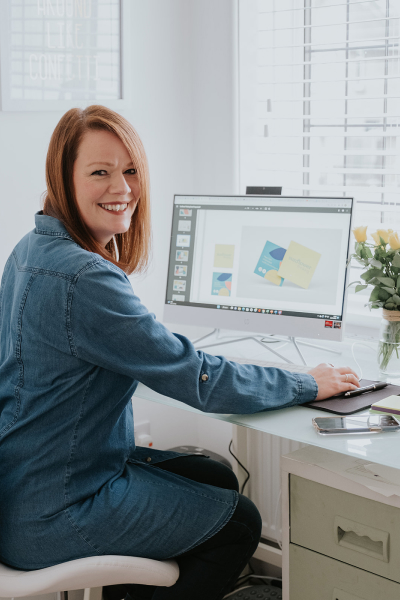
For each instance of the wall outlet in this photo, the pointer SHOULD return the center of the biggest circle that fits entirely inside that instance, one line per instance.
(142, 434)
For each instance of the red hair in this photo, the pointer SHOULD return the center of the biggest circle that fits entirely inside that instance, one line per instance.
(133, 246)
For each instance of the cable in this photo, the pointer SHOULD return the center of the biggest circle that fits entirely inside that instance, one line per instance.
(238, 590)
(243, 467)
(244, 577)
(355, 360)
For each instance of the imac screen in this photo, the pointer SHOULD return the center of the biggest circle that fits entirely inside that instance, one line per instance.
(282, 256)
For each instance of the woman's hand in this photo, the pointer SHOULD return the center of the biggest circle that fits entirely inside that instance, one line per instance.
(331, 380)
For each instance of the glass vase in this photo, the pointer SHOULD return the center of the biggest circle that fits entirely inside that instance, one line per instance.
(389, 344)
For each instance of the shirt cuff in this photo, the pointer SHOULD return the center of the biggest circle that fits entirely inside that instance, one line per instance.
(307, 388)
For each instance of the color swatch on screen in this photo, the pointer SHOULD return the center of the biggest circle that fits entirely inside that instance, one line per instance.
(180, 270)
(184, 225)
(182, 255)
(223, 256)
(269, 263)
(185, 212)
(299, 264)
(221, 284)
(179, 285)
(183, 240)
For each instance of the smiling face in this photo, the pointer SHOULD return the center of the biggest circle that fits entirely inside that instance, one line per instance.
(106, 185)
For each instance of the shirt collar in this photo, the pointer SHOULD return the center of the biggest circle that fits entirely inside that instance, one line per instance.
(46, 225)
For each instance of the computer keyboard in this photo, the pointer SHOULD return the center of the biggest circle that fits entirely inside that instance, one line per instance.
(267, 363)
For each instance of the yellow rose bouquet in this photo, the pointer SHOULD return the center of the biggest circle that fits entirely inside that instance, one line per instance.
(381, 260)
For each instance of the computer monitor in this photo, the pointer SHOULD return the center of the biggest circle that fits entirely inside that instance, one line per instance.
(274, 265)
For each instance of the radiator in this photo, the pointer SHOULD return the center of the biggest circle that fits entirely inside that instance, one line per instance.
(261, 452)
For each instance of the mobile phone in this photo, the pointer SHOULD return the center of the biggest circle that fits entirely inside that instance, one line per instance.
(355, 424)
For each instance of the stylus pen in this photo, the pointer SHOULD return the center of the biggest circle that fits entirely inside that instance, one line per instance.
(367, 388)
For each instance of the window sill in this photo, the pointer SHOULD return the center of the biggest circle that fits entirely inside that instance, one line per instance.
(362, 323)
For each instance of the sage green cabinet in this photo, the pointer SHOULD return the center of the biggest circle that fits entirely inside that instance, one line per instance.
(352, 529)
(313, 576)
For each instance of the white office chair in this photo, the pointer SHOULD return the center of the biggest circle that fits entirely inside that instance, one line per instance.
(86, 573)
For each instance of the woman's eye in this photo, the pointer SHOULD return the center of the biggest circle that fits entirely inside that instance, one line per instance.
(101, 171)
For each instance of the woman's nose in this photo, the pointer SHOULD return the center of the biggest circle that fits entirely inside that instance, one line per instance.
(119, 185)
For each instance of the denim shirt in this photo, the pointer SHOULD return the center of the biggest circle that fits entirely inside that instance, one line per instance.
(74, 343)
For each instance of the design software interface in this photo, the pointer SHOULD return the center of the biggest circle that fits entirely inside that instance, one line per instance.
(281, 256)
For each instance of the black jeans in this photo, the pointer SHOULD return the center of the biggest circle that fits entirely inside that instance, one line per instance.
(210, 570)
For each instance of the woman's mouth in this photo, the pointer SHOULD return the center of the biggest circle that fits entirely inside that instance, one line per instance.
(114, 207)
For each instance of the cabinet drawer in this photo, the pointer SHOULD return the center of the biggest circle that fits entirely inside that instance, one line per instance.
(317, 577)
(355, 530)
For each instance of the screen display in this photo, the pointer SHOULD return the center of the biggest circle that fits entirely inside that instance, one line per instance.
(265, 255)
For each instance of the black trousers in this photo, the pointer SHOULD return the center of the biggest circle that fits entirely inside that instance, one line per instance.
(210, 570)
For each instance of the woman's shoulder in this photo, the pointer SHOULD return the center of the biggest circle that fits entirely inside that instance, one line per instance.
(59, 255)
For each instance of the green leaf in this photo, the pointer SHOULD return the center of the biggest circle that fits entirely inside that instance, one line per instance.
(383, 295)
(375, 263)
(374, 304)
(368, 252)
(370, 274)
(398, 282)
(374, 281)
(353, 282)
(360, 287)
(390, 305)
(396, 260)
(374, 294)
(387, 281)
(396, 298)
(390, 290)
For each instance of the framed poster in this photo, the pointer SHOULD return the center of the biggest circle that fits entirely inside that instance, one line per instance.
(56, 54)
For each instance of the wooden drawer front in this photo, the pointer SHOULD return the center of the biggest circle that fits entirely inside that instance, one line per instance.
(317, 577)
(355, 530)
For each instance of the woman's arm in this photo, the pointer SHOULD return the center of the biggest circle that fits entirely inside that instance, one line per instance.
(109, 327)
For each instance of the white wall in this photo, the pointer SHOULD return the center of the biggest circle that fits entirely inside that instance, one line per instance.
(184, 109)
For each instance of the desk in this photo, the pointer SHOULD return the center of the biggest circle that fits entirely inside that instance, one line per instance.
(295, 423)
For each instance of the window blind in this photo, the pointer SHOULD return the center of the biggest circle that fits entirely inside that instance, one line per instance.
(319, 102)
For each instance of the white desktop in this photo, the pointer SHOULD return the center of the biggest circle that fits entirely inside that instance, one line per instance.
(266, 264)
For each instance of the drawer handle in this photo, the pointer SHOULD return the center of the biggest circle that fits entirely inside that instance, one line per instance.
(362, 538)
(341, 595)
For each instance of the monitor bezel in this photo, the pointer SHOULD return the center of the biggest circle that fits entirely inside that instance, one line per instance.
(254, 323)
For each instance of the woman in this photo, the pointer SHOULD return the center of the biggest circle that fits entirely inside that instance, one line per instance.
(74, 343)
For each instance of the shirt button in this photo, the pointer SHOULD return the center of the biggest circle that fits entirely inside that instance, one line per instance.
(148, 459)
(204, 377)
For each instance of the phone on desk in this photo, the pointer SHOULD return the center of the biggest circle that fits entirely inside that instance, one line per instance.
(355, 424)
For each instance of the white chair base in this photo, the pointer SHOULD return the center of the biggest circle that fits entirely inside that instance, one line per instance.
(84, 573)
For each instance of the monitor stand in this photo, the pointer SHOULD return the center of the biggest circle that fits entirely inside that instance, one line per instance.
(260, 340)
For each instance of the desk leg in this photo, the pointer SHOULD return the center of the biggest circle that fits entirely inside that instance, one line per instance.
(93, 593)
(240, 449)
(285, 482)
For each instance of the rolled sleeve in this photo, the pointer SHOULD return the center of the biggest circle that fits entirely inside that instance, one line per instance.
(307, 388)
